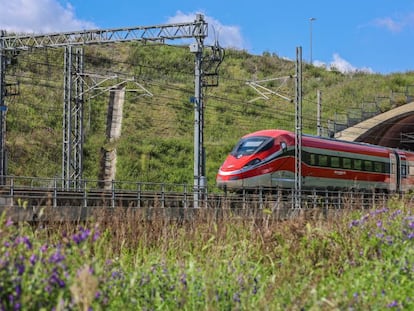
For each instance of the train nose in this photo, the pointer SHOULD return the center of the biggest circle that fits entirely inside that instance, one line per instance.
(233, 164)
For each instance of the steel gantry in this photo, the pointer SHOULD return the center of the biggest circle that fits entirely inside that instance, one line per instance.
(73, 86)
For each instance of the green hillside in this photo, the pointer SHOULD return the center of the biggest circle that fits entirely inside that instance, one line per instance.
(157, 131)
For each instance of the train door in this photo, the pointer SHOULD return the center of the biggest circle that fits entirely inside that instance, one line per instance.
(393, 172)
(396, 171)
(403, 173)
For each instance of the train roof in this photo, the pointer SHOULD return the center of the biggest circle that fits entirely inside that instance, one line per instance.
(324, 142)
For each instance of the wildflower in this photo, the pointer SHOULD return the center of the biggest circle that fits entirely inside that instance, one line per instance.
(18, 290)
(33, 259)
(55, 280)
(183, 280)
(354, 223)
(115, 275)
(23, 240)
(390, 240)
(397, 212)
(392, 304)
(26, 241)
(9, 222)
(81, 236)
(20, 268)
(236, 297)
(56, 257)
(43, 248)
(96, 236)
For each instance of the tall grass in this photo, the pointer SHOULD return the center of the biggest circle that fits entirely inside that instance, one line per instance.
(360, 260)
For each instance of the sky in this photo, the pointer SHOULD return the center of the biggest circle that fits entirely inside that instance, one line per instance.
(374, 36)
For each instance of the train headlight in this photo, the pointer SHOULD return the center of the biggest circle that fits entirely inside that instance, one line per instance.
(252, 162)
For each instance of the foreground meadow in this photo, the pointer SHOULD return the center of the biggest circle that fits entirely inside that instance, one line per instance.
(356, 260)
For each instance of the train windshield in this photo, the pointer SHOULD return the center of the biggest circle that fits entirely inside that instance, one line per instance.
(250, 145)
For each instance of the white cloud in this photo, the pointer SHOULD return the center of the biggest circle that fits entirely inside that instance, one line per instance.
(228, 36)
(389, 23)
(341, 65)
(39, 16)
(396, 24)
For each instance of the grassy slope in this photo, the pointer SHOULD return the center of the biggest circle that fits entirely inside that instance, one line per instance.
(157, 133)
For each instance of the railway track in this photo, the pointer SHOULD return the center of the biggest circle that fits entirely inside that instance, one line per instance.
(31, 199)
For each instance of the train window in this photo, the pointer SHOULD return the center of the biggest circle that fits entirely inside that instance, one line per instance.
(386, 168)
(379, 167)
(267, 145)
(358, 164)
(250, 145)
(346, 163)
(305, 157)
(312, 159)
(335, 162)
(367, 166)
(323, 160)
(404, 170)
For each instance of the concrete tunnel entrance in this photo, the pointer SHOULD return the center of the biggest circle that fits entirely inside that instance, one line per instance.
(394, 128)
(398, 134)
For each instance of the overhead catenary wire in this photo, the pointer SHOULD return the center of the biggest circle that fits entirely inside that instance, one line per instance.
(213, 100)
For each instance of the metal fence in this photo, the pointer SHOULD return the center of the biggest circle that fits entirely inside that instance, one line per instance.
(31, 198)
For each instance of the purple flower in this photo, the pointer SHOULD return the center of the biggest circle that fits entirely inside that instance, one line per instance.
(81, 236)
(33, 259)
(20, 269)
(397, 212)
(43, 248)
(9, 222)
(183, 280)
(23, 240)
(392, 304)
(54, 279)
(18, 290)
(56, 257)
(96, 236)
(354, 223)
(116, 275)
(236, 297)
(27, 242)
